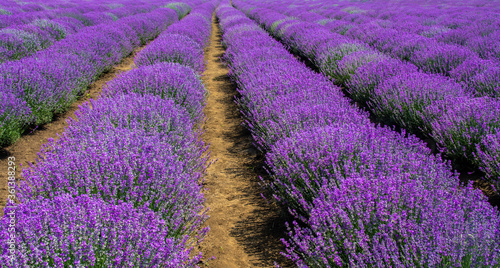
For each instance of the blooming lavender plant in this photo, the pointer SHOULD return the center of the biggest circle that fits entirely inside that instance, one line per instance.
(382, 223)
(463, 127)
(15, 116)
(86, 231)
(362, 83)
(52, 79)
(172, 48)
(414, 100)
(325, 173)
(166, 80)
(488, 158)
(135, 136)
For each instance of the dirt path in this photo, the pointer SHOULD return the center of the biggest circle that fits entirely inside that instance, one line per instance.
(244, 228)
(25, 149)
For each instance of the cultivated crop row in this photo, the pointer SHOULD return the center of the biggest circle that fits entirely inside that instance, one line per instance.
(122, 186)
(37, 87)
(18, 13)
(465, 127)
(21, 40)
(459, 63)
(362, 195)
(473, 26)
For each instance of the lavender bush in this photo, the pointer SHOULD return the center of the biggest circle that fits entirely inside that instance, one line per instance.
(172, 48)
(414, 100)
(463, 127)
(85, 231)
(411, 103)
(325, 172)
(15, 116)
(166, 80)
(52, 79)
(363, 81)
(488, 157)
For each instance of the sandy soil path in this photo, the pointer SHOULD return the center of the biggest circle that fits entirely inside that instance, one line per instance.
(244, 229)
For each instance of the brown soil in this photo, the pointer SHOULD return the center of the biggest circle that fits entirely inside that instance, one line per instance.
(26, 149)
(244, 228)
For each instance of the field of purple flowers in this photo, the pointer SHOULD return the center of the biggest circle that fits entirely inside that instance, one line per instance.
(338, 96)
(364, 195)
(121, 187)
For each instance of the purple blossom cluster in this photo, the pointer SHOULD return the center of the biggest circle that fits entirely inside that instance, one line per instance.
(121, 187)
(168, 80)
(474, 26)
(488, 156)
(362, 195)
(82, 231)
(14, 112)
(399, 37)
(50, 80)
(23, 39)
(399, 91)
(182, 43)
(131, 148)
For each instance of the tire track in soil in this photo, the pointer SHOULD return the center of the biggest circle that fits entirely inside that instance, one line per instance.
(244, 229)
(26, 149)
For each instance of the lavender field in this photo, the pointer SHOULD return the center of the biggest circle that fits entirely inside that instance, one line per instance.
(250, 133)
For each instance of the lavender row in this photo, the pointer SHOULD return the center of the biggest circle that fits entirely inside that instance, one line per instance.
(326, 159)
(50, 80)
(23, 40)
(18, 13)
(136, 156)
(15, 14)
(459, 63)
(183, 42)
(475, 27)
(397, 92)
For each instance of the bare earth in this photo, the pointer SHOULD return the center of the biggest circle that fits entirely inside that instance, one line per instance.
(244, 229)
(26, 149)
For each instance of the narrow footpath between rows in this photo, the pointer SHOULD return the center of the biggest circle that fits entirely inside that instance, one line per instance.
(26, 149)
(244, 229)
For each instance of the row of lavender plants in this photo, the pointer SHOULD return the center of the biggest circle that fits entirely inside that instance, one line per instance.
(122, 186)
(472, 25)
(459, 63)
(18, 41)
(466, 128)
(16, 13)
(37, 87)
(182, 43)
(362, 195)
(462, 64)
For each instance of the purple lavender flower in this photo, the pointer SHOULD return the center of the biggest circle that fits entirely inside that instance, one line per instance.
(463, 126)
(166, 80)
(172, 48)
(487, 158)
(86, 231)
(368, 76)
(15, 116)
(118, 150)
(414, 100)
